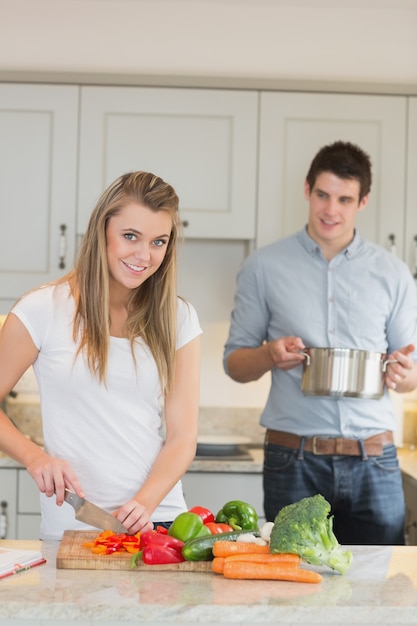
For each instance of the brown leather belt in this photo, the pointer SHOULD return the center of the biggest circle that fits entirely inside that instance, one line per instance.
(331, 445)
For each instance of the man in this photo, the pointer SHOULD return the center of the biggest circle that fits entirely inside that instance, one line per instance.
(327, 287)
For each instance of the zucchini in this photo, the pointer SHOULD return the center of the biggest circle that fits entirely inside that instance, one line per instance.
(201, 548)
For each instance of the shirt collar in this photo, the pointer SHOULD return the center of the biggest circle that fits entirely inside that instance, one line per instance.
(313, 248)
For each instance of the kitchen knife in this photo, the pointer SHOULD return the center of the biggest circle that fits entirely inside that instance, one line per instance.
(91, 514)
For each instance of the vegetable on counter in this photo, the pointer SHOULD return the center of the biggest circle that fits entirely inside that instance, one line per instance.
(188, 525)
(226, 548)
(158, 549)
(206, 515)
(107, 542)
(248, 562)
(306, 528)
(270, 571)
(216, 528)
(201, 548)
(240, 515)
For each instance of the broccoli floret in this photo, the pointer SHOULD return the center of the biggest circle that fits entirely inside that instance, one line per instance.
(306, 528)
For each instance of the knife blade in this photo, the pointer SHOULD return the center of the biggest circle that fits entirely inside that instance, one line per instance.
(92, 514)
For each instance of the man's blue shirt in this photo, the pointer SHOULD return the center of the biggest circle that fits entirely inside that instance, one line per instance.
(364, 298)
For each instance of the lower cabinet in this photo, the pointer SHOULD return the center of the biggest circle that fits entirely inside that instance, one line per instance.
(214, 489)
(19, 505)
(410, 493)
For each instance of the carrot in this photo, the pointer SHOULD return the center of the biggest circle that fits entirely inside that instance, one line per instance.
(273, 571)
(292, 560)
(226, 548)
(217, 564)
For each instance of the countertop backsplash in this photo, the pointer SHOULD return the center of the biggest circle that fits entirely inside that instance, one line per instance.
(232, 421)
(24, 411)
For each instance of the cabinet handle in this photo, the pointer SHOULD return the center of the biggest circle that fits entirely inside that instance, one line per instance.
(62, 246)
(3, 520)
(392, 245)
(185, 223)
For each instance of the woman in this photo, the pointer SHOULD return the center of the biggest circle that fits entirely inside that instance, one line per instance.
(114, 349)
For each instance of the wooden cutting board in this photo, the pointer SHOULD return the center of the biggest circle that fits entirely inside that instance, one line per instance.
(72, 555)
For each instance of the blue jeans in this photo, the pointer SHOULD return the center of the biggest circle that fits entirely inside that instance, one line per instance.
(365, 494)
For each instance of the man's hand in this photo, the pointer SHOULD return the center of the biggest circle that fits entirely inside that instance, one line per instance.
(401, 372)
(286, 353)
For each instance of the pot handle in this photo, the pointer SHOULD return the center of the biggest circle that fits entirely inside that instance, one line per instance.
(307, 356)
(385, 363)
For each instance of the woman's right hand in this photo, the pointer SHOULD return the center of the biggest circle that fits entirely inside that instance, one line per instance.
(53, 476)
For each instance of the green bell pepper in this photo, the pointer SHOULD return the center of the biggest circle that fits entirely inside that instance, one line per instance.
(240, 515)
(188, 525)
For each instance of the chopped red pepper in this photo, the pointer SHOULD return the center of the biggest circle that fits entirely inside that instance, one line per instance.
(108, 543)
(205, 514)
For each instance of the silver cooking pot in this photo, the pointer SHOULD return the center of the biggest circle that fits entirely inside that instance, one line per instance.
(344, 372)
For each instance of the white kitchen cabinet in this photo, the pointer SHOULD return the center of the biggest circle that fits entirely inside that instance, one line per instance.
(203, 142)
(214, 489)
(411, 198)
(8, 498)
(21, 497)
(295, 125)
(38, 152)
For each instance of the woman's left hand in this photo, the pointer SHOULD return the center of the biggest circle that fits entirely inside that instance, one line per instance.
(134, 517)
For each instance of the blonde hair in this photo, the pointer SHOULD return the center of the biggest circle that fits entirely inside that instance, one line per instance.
(153, 305)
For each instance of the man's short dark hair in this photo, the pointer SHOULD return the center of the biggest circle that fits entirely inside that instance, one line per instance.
(344, 160)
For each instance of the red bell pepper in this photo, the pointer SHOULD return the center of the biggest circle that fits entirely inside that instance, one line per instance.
(154, 554)
(151, 537)
(205, 514)
(157, 549)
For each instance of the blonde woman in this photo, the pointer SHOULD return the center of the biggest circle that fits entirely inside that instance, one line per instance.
(116, 353)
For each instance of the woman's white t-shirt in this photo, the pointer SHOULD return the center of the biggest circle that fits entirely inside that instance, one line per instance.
(110, 433)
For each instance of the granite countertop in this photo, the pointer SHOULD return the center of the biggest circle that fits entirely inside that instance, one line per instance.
(380, 588)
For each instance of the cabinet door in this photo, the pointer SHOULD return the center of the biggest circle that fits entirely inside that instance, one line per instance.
(8, 489)
(28, 507)
(411, 217)
(295, 125)
(203, 142)
(28, 494)
(38, 150)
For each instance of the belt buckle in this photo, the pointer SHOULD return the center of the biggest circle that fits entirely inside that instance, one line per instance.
(314, 444)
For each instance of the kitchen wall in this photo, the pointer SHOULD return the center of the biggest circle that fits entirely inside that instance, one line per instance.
(363, 45)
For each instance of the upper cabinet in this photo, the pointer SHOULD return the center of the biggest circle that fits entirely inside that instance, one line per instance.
(295, 125)
(237, 159)
(411, 199)
(203, 142)
(38, 151)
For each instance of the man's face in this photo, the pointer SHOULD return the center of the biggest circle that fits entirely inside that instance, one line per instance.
(334, 204)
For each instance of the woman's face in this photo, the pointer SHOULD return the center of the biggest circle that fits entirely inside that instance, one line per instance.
(137, 240)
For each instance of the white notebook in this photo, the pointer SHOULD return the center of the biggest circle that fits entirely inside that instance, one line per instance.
(13, 561)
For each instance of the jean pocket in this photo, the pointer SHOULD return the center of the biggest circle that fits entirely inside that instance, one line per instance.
(388, 461)
(278, 458)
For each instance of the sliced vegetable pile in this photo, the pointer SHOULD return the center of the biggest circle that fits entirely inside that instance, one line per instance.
(109, 543)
